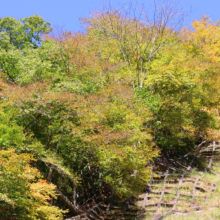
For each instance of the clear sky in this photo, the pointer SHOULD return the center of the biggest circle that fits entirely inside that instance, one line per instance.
(66, 13)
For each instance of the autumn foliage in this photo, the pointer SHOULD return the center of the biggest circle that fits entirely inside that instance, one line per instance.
(83, 116)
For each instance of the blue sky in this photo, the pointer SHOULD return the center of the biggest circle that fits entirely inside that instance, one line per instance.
(66, 13)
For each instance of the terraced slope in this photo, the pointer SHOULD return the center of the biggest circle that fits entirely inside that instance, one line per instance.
(183, 187)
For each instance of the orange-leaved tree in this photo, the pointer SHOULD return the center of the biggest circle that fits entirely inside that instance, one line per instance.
(23, 194)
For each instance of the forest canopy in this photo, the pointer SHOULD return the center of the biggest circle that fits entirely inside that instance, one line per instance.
(84, 115)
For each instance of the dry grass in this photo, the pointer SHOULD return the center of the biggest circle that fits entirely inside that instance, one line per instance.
(198, 201)
(210, 206)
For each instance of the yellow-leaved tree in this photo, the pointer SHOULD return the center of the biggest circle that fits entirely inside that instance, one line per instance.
(23, 193)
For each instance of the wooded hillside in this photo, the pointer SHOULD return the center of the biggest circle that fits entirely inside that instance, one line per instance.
(84, 115)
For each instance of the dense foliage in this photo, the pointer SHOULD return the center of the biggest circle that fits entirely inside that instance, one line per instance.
(84, 115)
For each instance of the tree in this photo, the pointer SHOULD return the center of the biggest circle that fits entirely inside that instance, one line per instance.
(18, 60)
(183, 92)
(89, 134)
(138, 40)
(22, 33)
(23, 194)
